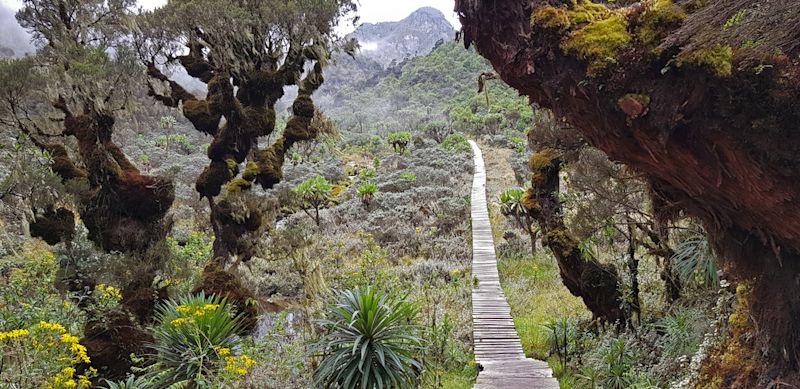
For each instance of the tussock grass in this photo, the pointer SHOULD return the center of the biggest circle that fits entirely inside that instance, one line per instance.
(534, 290)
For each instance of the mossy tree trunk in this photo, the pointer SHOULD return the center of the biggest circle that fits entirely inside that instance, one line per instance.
(594, 282)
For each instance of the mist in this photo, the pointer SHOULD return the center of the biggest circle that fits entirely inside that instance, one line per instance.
(14, 41)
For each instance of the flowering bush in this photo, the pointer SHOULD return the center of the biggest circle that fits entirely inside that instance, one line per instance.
(43, 355)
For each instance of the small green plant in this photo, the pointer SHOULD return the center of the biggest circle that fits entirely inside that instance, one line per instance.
(314, 193)
(517, 143)
(511, 206)
(399, 141)
(196, 248)
(455, 143)
(366, 174)
(167, 122)
(370, 342)
(367, 192)
(695, 261)
(408, 176)
(734, 20)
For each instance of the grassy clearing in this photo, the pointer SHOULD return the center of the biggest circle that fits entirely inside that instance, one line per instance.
(534, 290)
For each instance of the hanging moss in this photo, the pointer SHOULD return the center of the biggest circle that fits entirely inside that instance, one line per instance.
(220, 95)
(299, 129)
(62, 164)
(119, 156)
(270, 164)
(303, 106)
(209, 183)
(238, 184)
(258, 121)
(251, 171)
(559, 239)
(54, 226)
(529, 201)
(542, 159)
(716, 59)
(198, 114)
(599, 41)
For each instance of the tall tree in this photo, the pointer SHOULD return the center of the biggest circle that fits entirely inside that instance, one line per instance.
(68, 95)
(247, 53)
(699, 96)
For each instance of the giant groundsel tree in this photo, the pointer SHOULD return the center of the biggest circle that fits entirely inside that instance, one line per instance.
(247, 53)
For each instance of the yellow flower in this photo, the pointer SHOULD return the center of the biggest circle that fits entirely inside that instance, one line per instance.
(108, 292)
(238, 365)
(222, 351)
(13, 334)
(180, 321)
(83, 381)
(79, 351)
(183, 309)
(247, 361)
(67, 338)
(55, 327)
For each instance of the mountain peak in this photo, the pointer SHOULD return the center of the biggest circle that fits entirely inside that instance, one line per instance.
(427, 11)
(417, 34)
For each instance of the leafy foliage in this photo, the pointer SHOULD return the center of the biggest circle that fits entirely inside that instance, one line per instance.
(695, 261)
(366, 191)
(196, 339)
(370, 343)
(455, 143)
(314, 193)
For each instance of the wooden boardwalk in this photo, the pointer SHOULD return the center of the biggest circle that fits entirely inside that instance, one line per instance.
(498, 350)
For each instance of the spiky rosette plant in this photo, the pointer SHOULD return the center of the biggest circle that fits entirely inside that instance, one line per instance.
(370, 343)
(196, 336)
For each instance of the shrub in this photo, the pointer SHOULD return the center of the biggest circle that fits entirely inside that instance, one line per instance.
(369, 343)
(314, 194)
(399, 141)
(43, 355)
(408, 176)
(196, 343)
(367, 192)
(455, 143)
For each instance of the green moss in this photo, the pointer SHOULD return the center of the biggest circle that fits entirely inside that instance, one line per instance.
(231, 164)
(542, 159)
(238, 184)
(716, 59)
(529, 200)
(550, 17)
(251, 171)
(599, 41)
(660, 17)
(586, 11)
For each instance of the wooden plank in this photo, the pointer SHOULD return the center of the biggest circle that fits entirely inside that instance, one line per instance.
(498, 350)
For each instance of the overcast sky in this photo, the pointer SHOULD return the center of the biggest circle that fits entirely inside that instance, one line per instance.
(371, 11)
